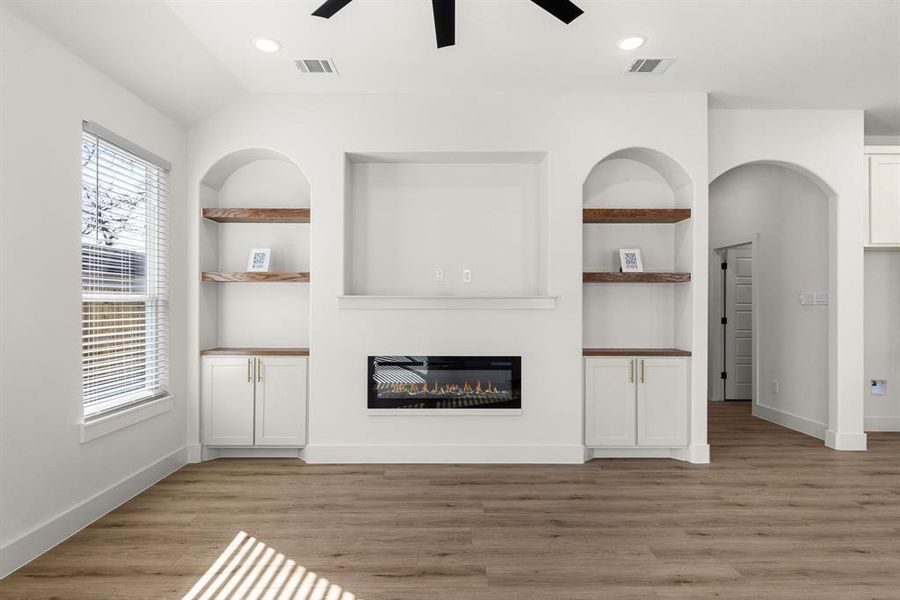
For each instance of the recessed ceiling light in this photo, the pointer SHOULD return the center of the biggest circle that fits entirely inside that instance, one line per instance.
(632, 42)
(267, 45)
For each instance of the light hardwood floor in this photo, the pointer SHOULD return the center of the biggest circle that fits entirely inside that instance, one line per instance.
(776, 515)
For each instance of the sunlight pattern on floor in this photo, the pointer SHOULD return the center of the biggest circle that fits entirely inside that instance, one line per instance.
(249, 569)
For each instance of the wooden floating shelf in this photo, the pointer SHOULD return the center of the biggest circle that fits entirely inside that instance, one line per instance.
(635, 215)
(604, 277)
(257, 215)
(255, 352)
(209, 276)
(635, 352)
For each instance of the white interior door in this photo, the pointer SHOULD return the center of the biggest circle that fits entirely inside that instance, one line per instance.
(281, 401)
(227, 398)
(739, 323)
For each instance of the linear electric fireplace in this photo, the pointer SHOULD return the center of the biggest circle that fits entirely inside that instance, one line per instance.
(423, 382)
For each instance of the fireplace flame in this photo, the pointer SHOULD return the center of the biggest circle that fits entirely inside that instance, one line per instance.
(466, 388)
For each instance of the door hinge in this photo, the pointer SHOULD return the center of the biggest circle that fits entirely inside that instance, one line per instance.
(724, 320)
(724, 375)
(724, 265)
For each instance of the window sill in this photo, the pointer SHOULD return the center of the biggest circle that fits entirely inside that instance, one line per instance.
(93, 428)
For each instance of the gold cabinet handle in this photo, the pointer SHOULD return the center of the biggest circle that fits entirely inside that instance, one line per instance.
(642, 370)
(249, 377)
(258, 370)
(631, 371)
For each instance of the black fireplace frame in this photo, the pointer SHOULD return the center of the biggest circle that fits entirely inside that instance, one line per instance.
(511, 364)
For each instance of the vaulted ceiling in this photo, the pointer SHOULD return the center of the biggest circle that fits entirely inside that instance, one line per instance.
(191, 57)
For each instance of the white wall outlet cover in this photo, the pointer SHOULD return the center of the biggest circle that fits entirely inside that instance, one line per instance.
(439, 274)
(878, 387)
(467, 275)
(821, 297)
(776, 387)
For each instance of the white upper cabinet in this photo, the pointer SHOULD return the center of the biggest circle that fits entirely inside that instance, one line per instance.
(884, 196)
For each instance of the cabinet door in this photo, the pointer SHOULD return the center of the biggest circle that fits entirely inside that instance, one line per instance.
(609, 394)
(884, 198)
(281, 401)
(662, 402)
(227, 400)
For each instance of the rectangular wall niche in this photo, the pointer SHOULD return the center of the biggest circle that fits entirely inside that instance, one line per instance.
(445, 382)
(418, 221)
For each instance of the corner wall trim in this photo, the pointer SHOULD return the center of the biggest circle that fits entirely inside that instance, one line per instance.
(56, 530)
(852, 442)
(437, 453)
(791, 421)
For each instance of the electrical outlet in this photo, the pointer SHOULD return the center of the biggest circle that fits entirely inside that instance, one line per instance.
(878, 388)
(776, 387)
(439, 274)
(467, 275)
(821, 297)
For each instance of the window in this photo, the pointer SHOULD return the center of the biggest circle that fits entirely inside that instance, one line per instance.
(124, 273)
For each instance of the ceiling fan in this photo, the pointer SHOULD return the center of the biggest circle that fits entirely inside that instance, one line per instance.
(445, 15)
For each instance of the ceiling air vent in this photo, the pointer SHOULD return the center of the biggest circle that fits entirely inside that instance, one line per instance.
(316, 65)
(645, 65)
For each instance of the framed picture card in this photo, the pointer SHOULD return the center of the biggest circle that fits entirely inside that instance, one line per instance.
(259, 260)
(630, 259)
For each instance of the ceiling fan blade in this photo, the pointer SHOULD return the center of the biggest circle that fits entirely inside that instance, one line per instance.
(330, 7)
(444, 22)
(564, 10)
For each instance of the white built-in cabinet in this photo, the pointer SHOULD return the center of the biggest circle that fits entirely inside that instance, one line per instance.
(254, 400)
(883, 182)
(636, 402)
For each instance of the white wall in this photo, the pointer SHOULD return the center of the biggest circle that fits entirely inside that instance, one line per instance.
(883, 339)
(789, 212)
(52, 483)
(829, 145)
(576, 132)
(429, 216)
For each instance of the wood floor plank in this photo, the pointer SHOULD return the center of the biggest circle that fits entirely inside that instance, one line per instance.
(776, 515)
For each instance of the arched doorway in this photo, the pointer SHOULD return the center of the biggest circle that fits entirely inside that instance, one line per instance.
(770, 279)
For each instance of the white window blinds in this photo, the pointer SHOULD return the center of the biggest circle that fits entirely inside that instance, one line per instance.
(124, 273)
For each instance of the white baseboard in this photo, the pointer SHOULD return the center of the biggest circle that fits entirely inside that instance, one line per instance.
(882, 424)
(791, 421)
(214, 453)
(693, 454)
(461, 453)
(29, 546)
(845, 441)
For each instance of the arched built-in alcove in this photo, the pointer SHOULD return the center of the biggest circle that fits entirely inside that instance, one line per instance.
(254, 314)
(638, 315)
(781, 211)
